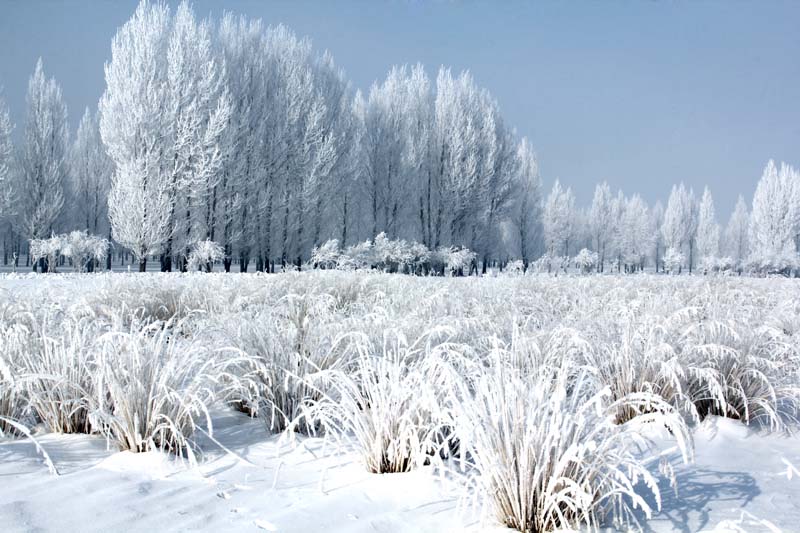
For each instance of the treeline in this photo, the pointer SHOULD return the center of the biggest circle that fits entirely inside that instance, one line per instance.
(240, 135)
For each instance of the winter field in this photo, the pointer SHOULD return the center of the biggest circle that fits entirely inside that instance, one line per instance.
(356, 401)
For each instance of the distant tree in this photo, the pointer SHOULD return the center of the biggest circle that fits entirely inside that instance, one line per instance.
(636, 233)
(90, 173)
(527, 214)
(601, 224)
(737, 245)
(43, 162)
(774, 219)
(656, 221)
(6, 164)
(559, 217)
(707, 229)
(679, 225)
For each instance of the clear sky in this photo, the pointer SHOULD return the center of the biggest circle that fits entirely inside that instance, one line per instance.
(641, 94)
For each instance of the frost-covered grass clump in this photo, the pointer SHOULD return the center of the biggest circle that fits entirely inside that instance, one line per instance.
(538, 390)
(545, 451)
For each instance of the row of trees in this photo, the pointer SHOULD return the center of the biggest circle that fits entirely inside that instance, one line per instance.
(234, 133)
(626, 234)
(241, 134)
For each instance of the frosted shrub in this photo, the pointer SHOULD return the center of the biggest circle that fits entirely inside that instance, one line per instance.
(83, 250)
(419, 257)
(47, 249)
(774, 263)
(203, 255)
(388, 401)
(357, 256)
(383, 254)
(515, 268)
(586, 260)
(673, 261)
(326, 256)
(544, 452)
(456, 260)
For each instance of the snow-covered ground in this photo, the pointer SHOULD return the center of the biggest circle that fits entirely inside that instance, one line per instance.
(264, 483)
(250, 479)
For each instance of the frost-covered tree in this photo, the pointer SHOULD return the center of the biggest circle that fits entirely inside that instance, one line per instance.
(737, 246)
(132, 125)
(334, 179)
(90, 173)
(527, 214)
(774, 219)
(387, 133)
(43, 169)
(656, 221)
(707, 229)
(163, 117)
(693, 219)
(678, 226)
(197, 108)
(559, 217)
(6, 163)
(468, 186)
(240, 191)
(601, 223)
(636, 235)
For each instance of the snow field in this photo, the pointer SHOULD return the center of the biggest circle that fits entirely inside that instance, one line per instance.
(539, 403)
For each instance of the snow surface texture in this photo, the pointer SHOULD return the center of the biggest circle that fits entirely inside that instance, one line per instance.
(302, 489)
(248, 479)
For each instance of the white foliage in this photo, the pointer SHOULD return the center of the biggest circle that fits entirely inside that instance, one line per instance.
(6, 163)
(43, 162)
(204, 254)
(673, 260)
(586, 260)
(774, 220)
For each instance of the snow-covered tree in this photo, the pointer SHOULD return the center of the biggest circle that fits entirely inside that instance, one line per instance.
(656, 221)
(636, 235)
(527, 214)
(43, 165)
(559, 216)
(601, 223)
(163, 117)
(6, 163)
(773, 220)
(678, 227)
(239, 193)
(197, 108)
(737, 245)
(707, 229)
(90, 173)
(387, 134)
(133, 127)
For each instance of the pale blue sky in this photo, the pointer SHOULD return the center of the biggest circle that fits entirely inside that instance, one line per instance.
(642, 94)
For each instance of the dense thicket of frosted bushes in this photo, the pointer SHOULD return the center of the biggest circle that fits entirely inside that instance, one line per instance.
(535, 389)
